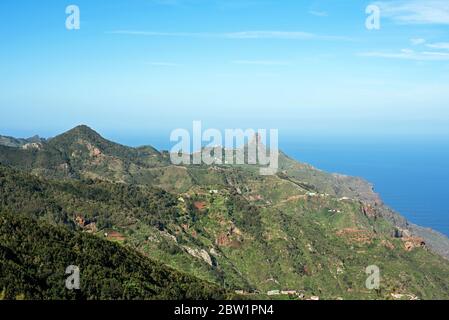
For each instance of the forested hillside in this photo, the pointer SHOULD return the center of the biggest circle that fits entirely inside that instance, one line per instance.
(302, 230)
(34, 256)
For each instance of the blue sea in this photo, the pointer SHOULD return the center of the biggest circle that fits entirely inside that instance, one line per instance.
(411, 176)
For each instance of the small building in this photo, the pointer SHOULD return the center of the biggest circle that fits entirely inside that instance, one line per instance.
(114, 235)
(289, 292)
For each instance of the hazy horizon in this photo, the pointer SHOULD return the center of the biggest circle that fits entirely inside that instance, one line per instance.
(309, 67)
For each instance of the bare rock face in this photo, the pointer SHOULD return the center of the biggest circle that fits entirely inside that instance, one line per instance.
(95, 152)
(32, 146)
(20, 143)
(80, 220)
(201, 254)
(411, 243)
(402, 233)
(88, 226)
(369, 211)
(435, 241)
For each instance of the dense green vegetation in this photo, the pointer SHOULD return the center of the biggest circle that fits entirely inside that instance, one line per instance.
(302, 230)
(99, 201)
(34, 256)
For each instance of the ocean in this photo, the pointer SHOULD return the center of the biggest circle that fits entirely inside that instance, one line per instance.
(410, 176)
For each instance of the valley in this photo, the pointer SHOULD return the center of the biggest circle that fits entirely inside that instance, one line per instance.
(300, 234)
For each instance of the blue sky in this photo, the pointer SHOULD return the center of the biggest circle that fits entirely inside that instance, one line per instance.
(145, 67)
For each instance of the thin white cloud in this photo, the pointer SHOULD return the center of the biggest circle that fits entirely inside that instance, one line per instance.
(417, 41)
(318, 13)
(439, 45)
(415, 11)
(435, 45)
(261, 62)
(261, 34)
(407, 54)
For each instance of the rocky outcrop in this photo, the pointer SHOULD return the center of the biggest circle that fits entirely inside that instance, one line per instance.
(201, 254)
(32, 142)
(369, 211)
(32, 146)
(435, 241)
(88, 226)
(411, 243)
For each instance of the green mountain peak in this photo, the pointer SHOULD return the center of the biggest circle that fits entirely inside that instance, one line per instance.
(302, 230)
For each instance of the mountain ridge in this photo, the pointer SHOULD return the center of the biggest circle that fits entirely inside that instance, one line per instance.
(342, 185)
(302, 228)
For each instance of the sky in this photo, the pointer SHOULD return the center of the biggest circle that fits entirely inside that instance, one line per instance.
(143, 68)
